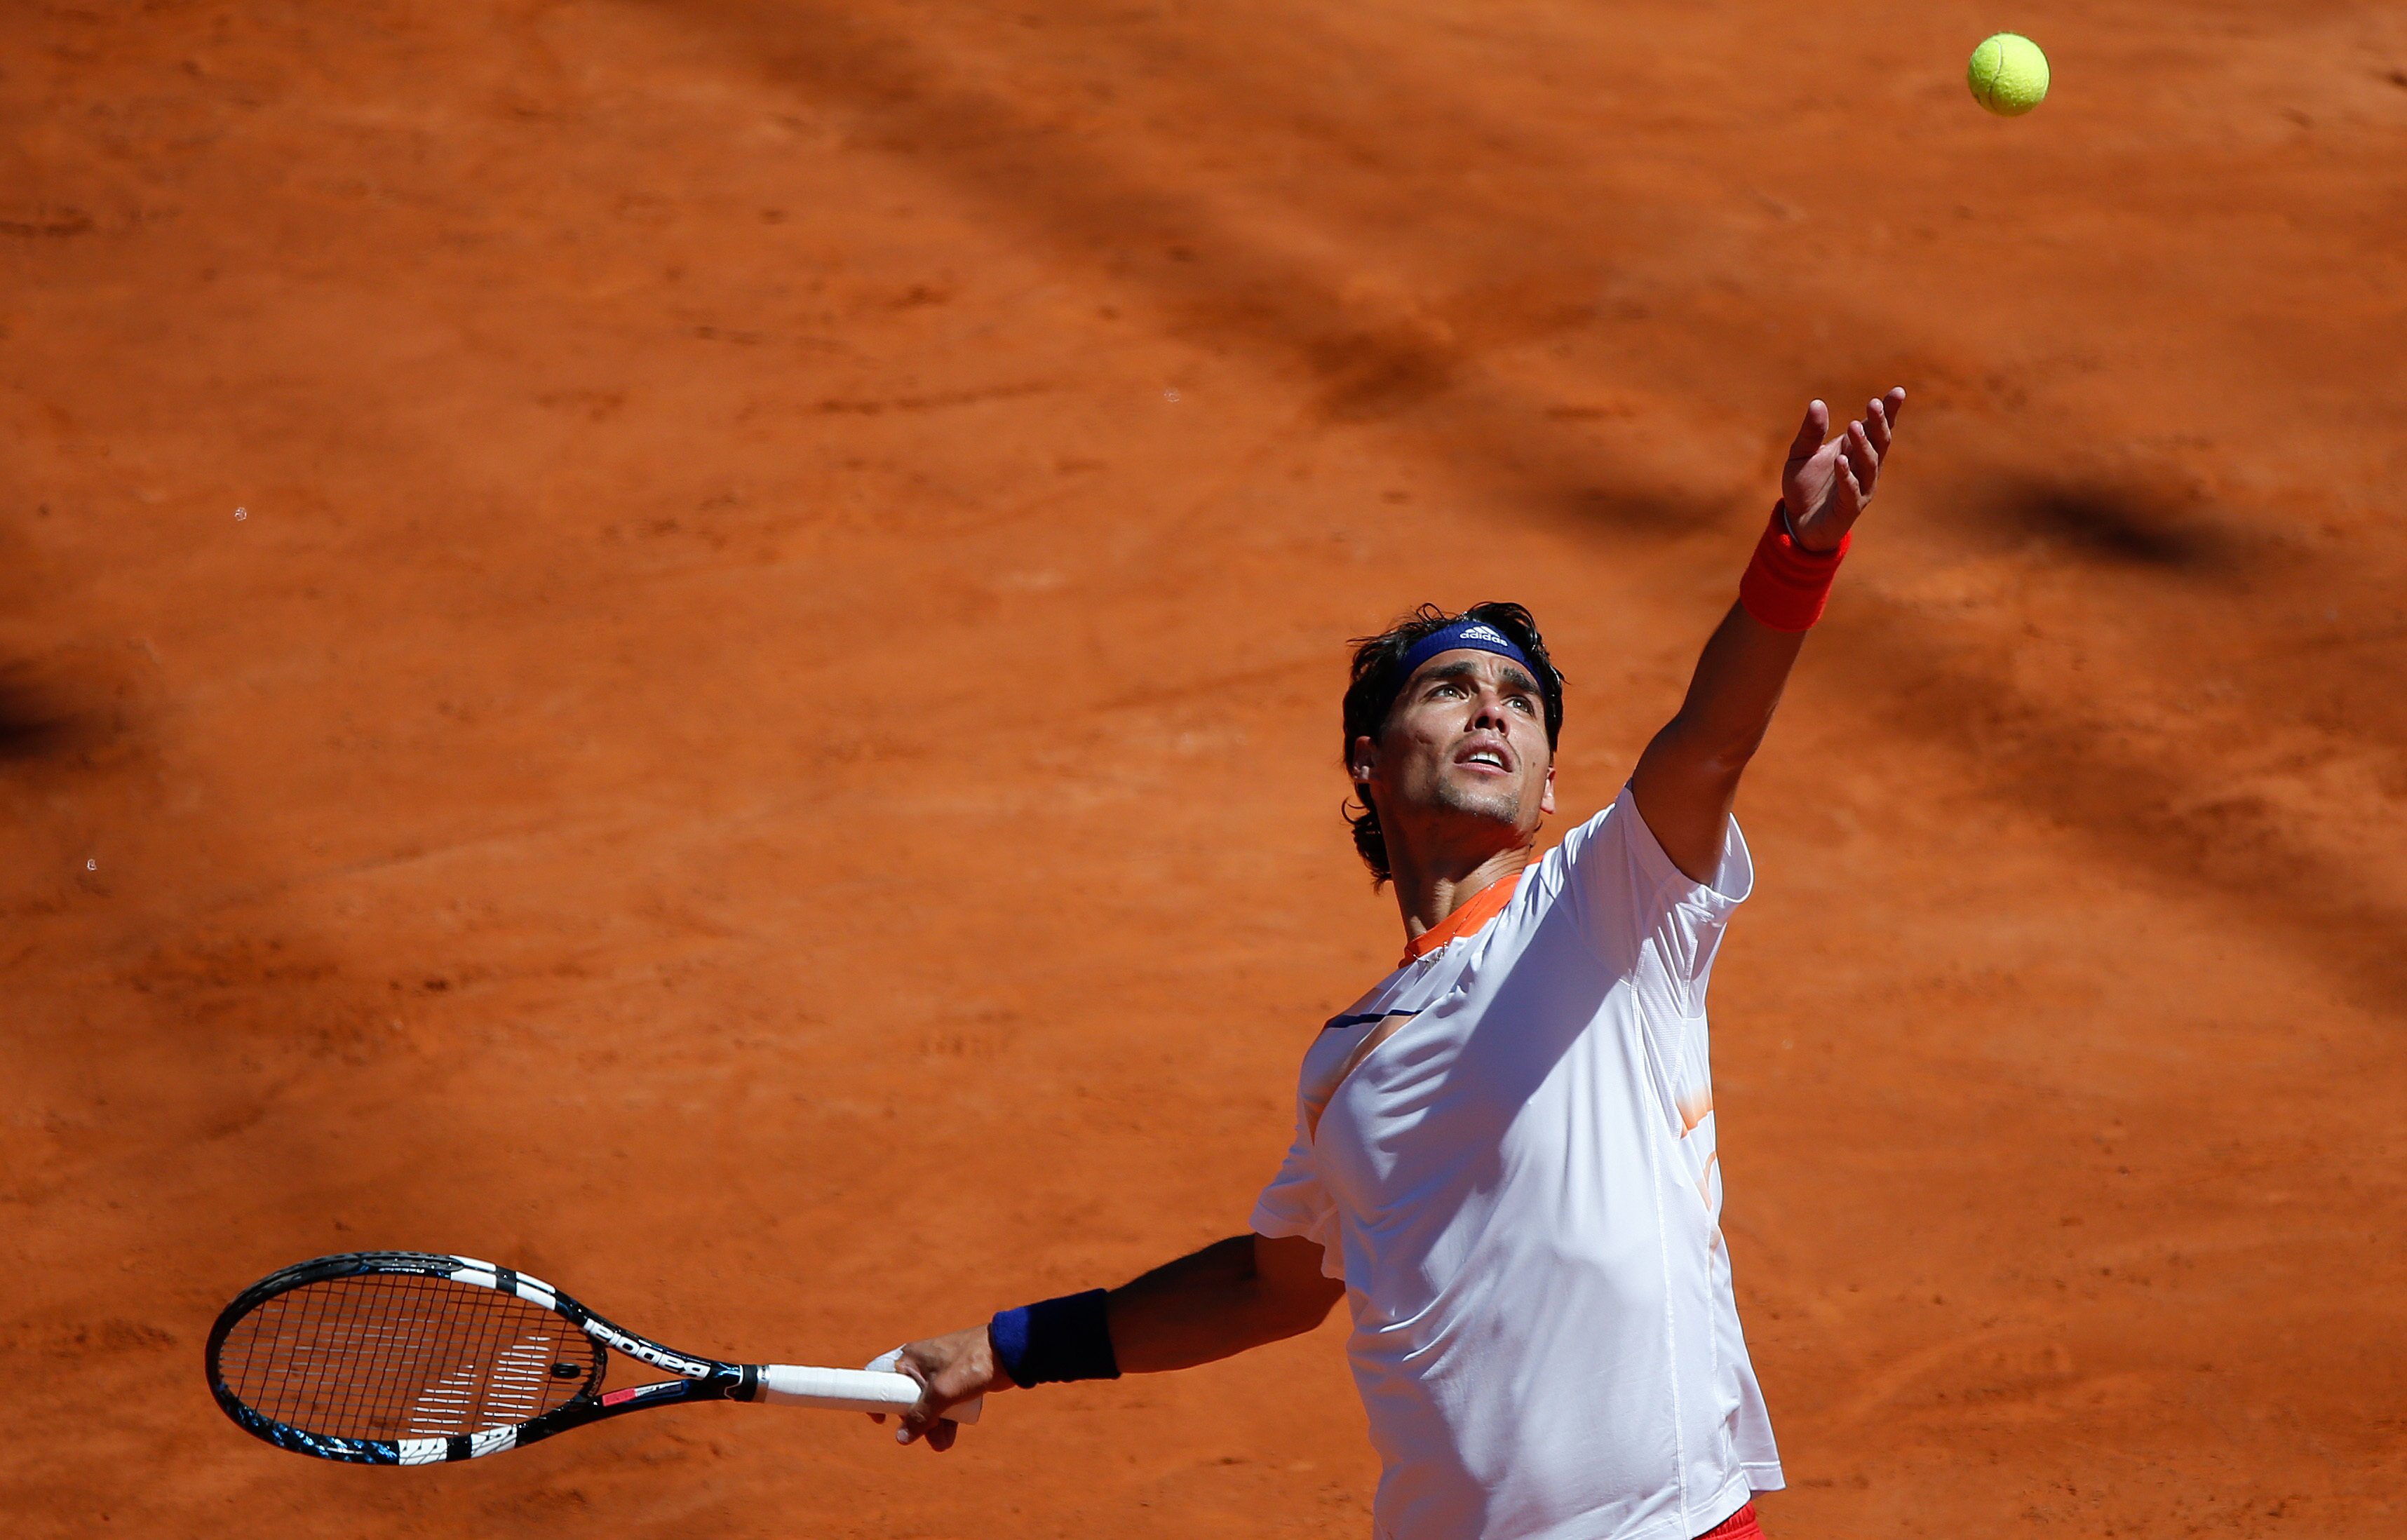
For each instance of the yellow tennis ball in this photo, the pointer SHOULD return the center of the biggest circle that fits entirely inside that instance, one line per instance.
(2008, 75)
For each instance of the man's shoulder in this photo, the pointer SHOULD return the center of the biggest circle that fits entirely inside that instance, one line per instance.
(1613, 819)
(1616, 855)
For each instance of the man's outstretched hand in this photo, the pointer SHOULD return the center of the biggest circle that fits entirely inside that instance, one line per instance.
(1826, 485)
(950, 1369)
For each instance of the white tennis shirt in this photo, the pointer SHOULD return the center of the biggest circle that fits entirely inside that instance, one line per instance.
(1507, 1151)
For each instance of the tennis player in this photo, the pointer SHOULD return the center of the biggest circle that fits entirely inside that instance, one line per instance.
(1503, 1153)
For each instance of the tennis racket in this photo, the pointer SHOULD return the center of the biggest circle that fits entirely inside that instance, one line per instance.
(403, 1358)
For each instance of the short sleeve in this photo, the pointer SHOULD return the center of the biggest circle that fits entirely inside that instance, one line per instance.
(1638, 908)
(1296, 1204)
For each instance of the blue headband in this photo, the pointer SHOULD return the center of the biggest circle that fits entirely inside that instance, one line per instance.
(1463, 635)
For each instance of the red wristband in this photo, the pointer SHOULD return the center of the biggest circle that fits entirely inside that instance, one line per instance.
(1785, 586)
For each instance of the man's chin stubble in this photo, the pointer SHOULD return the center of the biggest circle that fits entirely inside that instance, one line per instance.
(1498, 806)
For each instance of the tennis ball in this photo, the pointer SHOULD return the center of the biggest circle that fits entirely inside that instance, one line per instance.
(2008, 75)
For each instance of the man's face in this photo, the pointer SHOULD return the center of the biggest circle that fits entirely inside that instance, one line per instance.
(1464, 746)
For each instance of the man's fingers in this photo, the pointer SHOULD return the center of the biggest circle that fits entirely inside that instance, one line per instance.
(921, 1418)
(1876, 426)
(939, 1432)
(1884, 414)
(1861, 457)
(910, 1423)
(1850, 499)
(1810, 432)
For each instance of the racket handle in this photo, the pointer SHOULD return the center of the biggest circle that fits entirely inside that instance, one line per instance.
(837, 1390)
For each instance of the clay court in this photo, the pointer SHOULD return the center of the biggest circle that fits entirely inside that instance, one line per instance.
(696, 646)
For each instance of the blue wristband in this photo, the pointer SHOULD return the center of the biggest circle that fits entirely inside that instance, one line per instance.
(1055, 1340)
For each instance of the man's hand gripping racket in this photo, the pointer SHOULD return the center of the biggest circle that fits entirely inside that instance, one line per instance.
(955, 1372)
(403, 1358)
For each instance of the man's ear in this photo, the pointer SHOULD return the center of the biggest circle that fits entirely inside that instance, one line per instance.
(1547, 798)
(1362, 759)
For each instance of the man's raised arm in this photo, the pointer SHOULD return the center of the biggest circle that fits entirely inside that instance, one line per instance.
(1687, 778)
(1233, 1294)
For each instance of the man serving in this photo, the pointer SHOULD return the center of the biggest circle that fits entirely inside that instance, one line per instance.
(1504, 1155)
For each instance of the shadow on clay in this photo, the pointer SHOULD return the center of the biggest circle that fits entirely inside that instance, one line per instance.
(2157, 807)
(1369, 360)
(44, 719)
(2106, 525)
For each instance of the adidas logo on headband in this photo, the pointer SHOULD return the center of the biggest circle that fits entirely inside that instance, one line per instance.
(1478, 636)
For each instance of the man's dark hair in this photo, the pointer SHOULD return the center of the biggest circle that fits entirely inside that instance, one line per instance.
(1373, 689)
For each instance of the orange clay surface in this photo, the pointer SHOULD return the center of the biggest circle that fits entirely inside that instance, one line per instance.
(696, 646)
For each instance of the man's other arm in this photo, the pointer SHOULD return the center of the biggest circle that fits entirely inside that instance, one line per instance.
(1233, 1294)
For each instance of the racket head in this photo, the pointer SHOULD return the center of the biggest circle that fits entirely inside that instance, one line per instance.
(406, 1358)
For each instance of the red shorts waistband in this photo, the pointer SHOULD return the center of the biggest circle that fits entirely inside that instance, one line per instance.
(1738, 1526)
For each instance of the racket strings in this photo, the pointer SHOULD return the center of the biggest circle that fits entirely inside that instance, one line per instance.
(404, 1356)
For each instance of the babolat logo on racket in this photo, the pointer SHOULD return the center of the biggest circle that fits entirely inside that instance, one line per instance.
(649, 1352)
(406, 1358)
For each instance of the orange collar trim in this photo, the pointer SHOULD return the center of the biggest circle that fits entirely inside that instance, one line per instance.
(1474, 912)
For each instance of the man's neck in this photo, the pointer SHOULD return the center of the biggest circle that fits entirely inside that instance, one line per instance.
(1427, 893)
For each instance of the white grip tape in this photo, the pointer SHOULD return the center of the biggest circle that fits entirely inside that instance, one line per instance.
(875, 1389)
(838, 1390)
